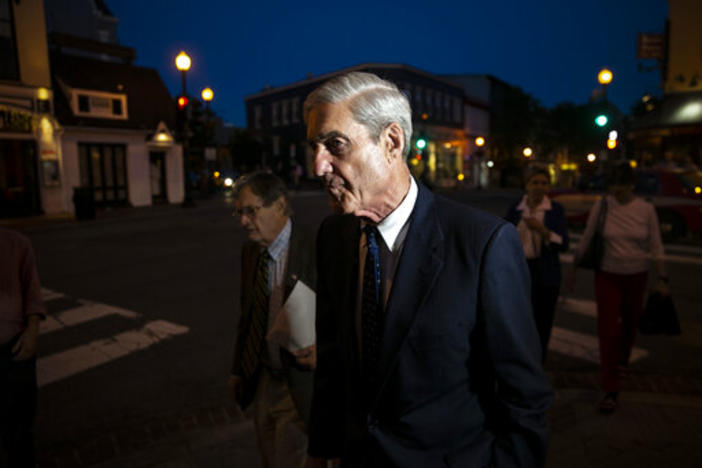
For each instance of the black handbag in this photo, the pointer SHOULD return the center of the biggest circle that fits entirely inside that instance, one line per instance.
(659, 316)
(591, 258)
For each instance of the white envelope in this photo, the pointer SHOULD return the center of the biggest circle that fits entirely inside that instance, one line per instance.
(293, 328)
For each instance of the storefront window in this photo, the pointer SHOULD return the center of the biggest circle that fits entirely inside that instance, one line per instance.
(102, 167)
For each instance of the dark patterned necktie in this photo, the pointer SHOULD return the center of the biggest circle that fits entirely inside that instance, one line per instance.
(259, 317)
(372, 306)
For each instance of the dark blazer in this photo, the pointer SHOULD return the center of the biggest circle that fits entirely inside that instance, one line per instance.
(462, 383)
(549, 264)
(301, 267)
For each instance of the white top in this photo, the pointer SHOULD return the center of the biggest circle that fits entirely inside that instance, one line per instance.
(632, 237)
(532, 240)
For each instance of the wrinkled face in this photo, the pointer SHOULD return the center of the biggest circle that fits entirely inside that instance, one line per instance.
(537, 186)
(352, 166)
(261, 223)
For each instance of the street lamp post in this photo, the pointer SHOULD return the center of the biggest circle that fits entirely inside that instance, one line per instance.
(207, 94)
(183, 63)
(604, 77)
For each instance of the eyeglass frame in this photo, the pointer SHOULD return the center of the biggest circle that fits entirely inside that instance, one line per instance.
(248, 211)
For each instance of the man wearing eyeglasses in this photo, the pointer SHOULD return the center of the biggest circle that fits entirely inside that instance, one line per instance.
(275, 381)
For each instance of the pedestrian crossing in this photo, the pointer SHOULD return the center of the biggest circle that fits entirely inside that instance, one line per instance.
(581, 345)
(83, 357)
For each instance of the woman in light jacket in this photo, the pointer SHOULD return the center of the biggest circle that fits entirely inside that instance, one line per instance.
(632, 238)
(541, 226)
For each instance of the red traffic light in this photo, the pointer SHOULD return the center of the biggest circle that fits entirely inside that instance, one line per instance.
(182, 102)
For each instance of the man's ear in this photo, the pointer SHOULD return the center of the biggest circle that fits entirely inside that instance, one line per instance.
(393, 141)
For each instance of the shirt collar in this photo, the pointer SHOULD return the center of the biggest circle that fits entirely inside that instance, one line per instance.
(393, 223)
(280, 244)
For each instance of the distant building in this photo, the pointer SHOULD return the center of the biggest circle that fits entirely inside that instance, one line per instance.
(117, 125)
(30, 169)
(670, 131)
(442, 115)
(117, 120)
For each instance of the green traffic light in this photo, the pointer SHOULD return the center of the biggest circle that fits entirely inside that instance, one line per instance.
(601, 120)
(421, 143)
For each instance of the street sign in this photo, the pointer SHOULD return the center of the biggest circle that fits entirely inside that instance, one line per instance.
(650, 46)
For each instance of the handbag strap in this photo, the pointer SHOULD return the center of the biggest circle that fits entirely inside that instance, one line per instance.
(602, 215)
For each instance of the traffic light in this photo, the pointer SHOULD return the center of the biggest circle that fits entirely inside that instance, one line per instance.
(601, 120)
(182, 102)
(421, 143)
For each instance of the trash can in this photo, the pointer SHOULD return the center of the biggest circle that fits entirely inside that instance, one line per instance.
(84, 202)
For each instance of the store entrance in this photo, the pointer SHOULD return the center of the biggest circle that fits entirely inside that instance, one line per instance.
(19, 180)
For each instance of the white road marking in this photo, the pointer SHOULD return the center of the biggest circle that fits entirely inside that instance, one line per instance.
(86, 312)
(583, 346)
(48, 294)
(584, 307)
(67, 363)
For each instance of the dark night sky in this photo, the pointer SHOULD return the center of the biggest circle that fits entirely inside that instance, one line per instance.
(553, 49)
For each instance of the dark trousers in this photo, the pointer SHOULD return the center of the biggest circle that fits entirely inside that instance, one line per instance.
(543, 304)
(18, 392)
(620, 301)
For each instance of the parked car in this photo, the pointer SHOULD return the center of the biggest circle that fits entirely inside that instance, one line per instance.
(676, 194)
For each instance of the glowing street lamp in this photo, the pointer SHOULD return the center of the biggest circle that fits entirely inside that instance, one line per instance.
(480, 141)
(591, 157)
(527, 152)
(605, 76)
(207, 94)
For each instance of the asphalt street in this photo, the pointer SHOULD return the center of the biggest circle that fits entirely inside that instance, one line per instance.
(144, 307)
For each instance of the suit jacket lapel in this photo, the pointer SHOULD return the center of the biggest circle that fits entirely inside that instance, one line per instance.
(420, 263)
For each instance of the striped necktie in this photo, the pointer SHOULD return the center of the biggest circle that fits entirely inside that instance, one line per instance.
(259, 317)
(372, 306)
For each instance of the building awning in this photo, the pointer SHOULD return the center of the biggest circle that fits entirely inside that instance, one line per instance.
(674, 110)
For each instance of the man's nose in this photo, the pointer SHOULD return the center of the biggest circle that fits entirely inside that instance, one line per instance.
(322, 164)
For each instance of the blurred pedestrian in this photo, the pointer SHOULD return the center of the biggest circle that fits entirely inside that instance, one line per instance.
(21, 309)
(542, 230)
(632, 238)
(278, 383)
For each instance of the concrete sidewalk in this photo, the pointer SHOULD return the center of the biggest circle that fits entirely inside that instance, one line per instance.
(657, 425)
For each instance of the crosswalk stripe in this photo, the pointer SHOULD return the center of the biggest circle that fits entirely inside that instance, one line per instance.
(86, 312)
(584, 307)
(48, 294)
(583, 346)
(73, 361)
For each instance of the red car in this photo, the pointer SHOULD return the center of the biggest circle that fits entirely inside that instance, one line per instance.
(676, 194)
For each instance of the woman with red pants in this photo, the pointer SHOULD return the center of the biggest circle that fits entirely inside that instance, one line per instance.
(632, 239)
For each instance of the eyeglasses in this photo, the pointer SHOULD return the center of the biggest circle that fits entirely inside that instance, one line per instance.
(248, 211)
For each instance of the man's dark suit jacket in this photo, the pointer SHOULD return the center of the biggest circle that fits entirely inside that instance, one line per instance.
(549, 263)
(301, 267)
(462, 381)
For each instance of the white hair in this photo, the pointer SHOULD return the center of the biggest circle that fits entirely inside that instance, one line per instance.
(374, 103)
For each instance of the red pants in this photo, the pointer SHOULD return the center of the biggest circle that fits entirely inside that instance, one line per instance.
(620, 301)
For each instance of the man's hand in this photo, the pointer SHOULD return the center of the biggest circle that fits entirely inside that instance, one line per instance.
(26, 345)
(307, 357)
(234, 384)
